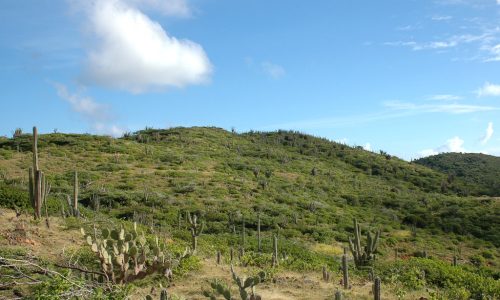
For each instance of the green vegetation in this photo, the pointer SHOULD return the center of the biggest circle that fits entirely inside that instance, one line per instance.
(479, 172)
(284, 199)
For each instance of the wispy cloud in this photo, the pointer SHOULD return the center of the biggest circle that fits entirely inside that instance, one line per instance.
(451, 42)
(130, 51)
(273, 70)
(444, 97)
(474, 39)
(441, 18)
(489, 133)
(394, 109)
(493, 51)
(454, 144)
(337, 121)
(96, 114)
(489, 90)
(451, 108)
(85, 106)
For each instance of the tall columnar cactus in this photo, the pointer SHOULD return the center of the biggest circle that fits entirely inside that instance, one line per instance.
(376, 289)
(164, 295)
(219, 257)
(196, 229)
(363, 256)
(338, 295)
(326, 274)
(179, 219)
(231, 222)
(76, 212)
(259, 242)
(250, 282)
(127, 256)
(275, 251)
(345, 272)
(39, 189)
(243, 233)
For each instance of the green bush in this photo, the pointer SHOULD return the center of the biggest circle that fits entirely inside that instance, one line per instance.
(419, 272)
(12, 197)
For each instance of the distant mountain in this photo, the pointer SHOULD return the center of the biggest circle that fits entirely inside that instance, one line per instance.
(480, 172)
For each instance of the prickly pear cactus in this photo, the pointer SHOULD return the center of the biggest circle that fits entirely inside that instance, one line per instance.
(250, 282)
(218, 288)
(124, 255)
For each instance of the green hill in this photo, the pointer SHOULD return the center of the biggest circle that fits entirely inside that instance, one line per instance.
(480, 172)
(305, 189)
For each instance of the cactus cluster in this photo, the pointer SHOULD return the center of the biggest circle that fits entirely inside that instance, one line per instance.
(73, 203)
(363, 256)
(196, 229)
(127, 256)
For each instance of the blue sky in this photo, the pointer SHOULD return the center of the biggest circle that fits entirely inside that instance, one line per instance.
(410, 77)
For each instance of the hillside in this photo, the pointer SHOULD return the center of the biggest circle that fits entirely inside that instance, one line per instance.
(480, 172)
(305, 189)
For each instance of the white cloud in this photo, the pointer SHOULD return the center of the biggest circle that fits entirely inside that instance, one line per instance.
(489, 133)
(454, 144)
(444, 97)
(489, 89)
(108, 129)
(367, 147)
(134, 53)
(342, 141)
(452, 108)
(273, 70)
(178, 8)
(96, 114)
(428, 152)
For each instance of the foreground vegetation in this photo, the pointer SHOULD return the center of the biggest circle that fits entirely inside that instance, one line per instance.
(250, 192)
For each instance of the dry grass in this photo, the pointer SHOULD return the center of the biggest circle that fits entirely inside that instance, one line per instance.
(35, 237)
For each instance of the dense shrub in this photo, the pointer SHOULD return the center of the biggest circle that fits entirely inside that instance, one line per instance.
(416, 273)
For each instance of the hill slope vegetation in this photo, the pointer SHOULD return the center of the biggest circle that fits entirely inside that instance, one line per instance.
(306, 190)
(480, 172)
